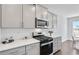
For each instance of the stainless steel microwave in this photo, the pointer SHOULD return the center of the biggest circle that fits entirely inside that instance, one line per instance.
(41, 23)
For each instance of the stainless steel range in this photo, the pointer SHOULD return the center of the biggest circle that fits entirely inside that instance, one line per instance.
(46, 44)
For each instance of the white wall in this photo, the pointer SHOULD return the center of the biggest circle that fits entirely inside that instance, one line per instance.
(16, 33)
(62, 27)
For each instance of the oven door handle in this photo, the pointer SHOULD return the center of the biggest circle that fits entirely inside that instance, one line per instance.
(47, 43)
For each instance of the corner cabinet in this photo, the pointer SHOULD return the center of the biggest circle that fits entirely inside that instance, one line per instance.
(28, 16)
(11, 15)
(33, 49)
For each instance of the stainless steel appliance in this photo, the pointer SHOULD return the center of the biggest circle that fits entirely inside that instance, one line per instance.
(46, 44)
(41, 23)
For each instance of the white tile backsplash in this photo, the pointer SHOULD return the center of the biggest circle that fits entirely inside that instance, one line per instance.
(16, 33)
(20, 33)
(45, 31)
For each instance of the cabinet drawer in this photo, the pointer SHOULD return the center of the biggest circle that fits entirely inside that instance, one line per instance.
(14, 51)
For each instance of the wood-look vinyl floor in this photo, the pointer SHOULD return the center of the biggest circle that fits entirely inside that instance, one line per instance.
(68, 49)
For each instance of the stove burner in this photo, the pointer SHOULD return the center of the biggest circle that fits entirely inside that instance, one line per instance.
(43, 39)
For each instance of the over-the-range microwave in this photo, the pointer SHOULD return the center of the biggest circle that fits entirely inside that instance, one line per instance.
(39, 23)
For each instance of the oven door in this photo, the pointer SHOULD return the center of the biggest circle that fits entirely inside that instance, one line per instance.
(46, 49)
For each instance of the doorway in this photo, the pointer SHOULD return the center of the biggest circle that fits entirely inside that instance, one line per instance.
(73, 31)
(73, 27)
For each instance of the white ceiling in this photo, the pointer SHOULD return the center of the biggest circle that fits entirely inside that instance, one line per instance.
(68, 10)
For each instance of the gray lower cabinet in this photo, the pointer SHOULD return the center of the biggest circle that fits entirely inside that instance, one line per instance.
(14, 51)
(57, 44)
(33, 49)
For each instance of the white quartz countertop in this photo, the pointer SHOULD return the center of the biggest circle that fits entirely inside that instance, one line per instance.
(17, 43)
(54, 36)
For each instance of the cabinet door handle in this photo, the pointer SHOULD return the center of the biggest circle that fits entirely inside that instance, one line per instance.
(23, 24)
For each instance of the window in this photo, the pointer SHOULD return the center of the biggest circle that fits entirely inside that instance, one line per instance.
(76, 28)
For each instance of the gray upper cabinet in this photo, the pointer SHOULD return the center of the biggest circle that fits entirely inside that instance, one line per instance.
(38, 11)
(18, 16)
(44, 13)
(11, 15)
(28, 16)
(50, 19)
(23, 16)
(41, 12)
(54, 21)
